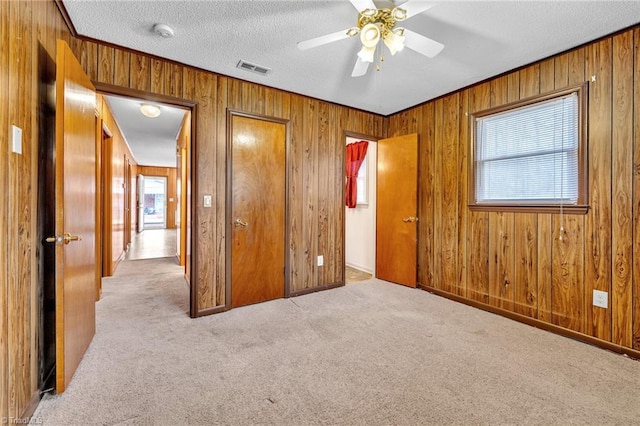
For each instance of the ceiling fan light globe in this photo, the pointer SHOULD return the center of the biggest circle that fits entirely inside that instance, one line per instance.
(394, 42)
(370, 35)
(366, 54)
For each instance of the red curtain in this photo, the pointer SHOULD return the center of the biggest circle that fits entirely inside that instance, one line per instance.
(355, 154)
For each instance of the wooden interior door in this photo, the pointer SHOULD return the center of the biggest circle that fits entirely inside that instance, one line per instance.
(75, 214)
(397, 210)
(127, 204)
(257, 214)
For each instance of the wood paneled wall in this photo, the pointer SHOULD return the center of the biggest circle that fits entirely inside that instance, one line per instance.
(316, 157)
(511, 260)
(172, 190)
(317, 144)
(24, 28)
(516, 261)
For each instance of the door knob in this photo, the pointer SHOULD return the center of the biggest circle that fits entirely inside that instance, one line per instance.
(410, 219)
(238, 222)
(63, 239)
(68, 238)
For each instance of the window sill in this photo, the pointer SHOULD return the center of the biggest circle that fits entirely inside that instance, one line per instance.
(529, 208)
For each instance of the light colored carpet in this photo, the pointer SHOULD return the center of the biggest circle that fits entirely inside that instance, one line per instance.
(370, 354)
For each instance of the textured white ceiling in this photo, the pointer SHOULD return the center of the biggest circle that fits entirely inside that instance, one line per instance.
(481, 39)
(152, 140)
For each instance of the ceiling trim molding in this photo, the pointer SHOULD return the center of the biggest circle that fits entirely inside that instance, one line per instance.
(111, 89)
(66, 17)
(72, 29)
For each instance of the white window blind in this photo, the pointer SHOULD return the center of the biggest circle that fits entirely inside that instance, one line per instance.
(362, 182)
(529, 155)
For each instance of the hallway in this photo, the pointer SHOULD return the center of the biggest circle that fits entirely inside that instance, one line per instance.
(153, 244)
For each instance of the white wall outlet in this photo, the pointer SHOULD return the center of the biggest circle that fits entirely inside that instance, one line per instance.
(320, 260)
(207, 200)
(600, 299)
(16, 139)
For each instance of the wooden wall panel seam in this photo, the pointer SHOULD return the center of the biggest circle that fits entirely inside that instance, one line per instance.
(636, 193)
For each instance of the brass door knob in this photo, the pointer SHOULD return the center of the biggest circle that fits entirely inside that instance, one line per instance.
(68, 238)
(238, 222)
(63, 239)
(410, 219)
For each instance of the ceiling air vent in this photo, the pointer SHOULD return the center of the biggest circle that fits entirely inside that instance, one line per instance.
(243, 65)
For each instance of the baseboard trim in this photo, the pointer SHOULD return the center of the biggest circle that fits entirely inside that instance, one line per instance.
(211, 311)
(315, 289)
(359, 268)
(632, 353)
(31, 407)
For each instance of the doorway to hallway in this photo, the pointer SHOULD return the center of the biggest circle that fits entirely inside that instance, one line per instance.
(153, 202)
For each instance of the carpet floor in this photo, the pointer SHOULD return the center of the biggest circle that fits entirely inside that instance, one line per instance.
(369, 354)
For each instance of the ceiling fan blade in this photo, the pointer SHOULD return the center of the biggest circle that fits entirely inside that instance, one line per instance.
(361, 5)
(422, 44)
(325, 39)
(360, 68)
(414, 7)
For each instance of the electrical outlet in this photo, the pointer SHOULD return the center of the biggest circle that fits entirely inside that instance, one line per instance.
(320, 260)
(600, 299)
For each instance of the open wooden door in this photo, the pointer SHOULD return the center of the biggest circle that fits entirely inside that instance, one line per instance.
(397, 210)
(75, 214)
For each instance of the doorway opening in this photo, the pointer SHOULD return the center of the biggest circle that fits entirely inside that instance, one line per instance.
(360, 221)
(147, 179)
(154, 202)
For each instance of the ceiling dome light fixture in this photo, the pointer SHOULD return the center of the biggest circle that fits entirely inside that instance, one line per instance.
(163, 30)
(148, 110)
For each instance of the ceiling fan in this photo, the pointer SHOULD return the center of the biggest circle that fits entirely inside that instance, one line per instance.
(379, 23)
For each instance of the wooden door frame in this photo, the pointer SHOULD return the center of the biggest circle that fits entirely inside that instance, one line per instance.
(98, 235)
(106, 164)
(231, 113)
(127, 204)
(110, 89)
(350, 134)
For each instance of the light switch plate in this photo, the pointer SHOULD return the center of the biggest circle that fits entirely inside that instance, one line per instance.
(600, 299)
(320, 260)
(16, 139)
(207, 200)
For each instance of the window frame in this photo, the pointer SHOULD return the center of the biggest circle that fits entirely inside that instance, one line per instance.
(363, 180)
(582, 204)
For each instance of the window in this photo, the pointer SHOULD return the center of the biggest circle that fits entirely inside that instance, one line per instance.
(363, 183)
(531, 155)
